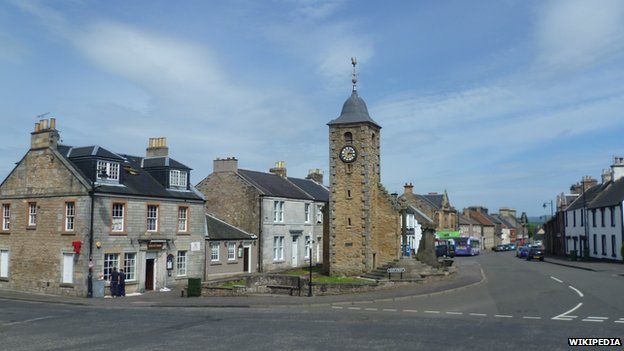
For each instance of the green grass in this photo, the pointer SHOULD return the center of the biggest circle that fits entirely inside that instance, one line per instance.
(320, 278)
(230, 285)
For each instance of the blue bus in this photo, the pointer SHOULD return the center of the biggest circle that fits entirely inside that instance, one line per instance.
(467, 246)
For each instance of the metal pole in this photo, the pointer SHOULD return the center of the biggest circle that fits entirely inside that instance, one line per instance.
(310, 282)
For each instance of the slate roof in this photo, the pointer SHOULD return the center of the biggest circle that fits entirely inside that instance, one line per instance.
(612, 194)
(466, 220)
(420, 216)
(141, 183)
(354, 110)
(154, 162)
(312, 188)
(505, 221)
(217, 229)
(587, 198)
(274, 185)
(481, 218)
(435, 199)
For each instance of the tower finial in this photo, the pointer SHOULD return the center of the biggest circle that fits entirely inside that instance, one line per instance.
(354, 75)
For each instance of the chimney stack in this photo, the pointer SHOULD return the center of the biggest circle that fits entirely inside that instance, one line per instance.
(229, 164)
(316, 175)
(44, 135)
(408, 188)
(607, 176)
(617, 168)
(157, 147)
(279, 169)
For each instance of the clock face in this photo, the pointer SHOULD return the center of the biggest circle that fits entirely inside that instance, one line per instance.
(348, 154)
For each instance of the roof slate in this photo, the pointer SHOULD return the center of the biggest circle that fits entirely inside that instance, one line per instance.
(312, 188)
(274, 185)
(612, 194)
(585, 199)
(217, 229)
(154, 162)
(354, 110)
(435, 199)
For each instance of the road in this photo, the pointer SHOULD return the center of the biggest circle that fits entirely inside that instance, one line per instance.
(520, 305)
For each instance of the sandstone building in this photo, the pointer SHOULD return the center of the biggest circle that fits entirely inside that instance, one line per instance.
(435, 206)
(285, 213)
(364, 223)
(68, 208)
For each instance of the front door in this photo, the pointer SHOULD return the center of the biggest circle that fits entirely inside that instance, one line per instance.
(149, 274)
(246, 260)
(295, 251)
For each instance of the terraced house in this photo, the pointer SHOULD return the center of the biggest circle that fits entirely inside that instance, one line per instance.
(72, 214)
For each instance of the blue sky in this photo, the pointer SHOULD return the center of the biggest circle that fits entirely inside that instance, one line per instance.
(502, 103)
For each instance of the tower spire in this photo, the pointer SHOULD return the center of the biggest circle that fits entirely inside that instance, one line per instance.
(354, 74)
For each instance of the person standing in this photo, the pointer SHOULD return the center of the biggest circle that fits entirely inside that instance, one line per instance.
(122, 283)
(114, 282)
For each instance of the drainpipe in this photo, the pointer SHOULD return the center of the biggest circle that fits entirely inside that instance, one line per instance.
(90, 275)
(260, 242)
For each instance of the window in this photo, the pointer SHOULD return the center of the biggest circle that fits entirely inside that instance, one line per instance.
(152, 218)
(595, 244)
(612, 214)
(111, 260)
(107, 171)
(613, 246)
(32, 214)
(278, 211)
(118, 217)
(319, 214)
(348, 138)
(68, 268)
(6, 217)
(604, 245)
(594, 218)
(4, 263)
(70, 215)
(602, 221)
(181, 263)
(130, 265)
(177, 178)
(307, 248)
(182, 216)
(231, 251)
(318, 249)
(582, 217)
(574, 218)
(214, 252)
(278, 248)
(307, 213)
(565, 219)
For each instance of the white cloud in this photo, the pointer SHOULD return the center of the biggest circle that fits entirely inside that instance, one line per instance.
(577, 33)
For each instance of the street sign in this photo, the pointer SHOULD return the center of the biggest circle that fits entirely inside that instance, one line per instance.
(396, 270)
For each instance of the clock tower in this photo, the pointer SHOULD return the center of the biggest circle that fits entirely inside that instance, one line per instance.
(363, 217)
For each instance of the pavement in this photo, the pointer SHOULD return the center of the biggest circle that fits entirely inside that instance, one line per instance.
(614, 268)
(469, 274)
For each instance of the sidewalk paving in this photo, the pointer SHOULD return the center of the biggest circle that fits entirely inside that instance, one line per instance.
(612, 267)
(468, 275)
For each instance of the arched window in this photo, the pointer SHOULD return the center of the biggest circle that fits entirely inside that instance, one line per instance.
(348, 138)
(374, 139)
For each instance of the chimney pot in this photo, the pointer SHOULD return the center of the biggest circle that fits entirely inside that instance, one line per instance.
(157, 147)
(279, 169)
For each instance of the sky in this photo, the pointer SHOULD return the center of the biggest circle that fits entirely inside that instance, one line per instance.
(501, 103)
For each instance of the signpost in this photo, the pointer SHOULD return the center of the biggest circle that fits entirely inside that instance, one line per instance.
(395, 270)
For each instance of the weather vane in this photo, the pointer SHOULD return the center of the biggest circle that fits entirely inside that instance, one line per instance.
(354, 75)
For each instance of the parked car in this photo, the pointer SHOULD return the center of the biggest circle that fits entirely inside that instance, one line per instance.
(500, 248)
(535, 252)
(522, 251)
(512, 247)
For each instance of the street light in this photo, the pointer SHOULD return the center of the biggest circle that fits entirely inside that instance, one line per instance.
(551, 207)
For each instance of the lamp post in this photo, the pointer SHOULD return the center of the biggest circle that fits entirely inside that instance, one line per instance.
(551, 207)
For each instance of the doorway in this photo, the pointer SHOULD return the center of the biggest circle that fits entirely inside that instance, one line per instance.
(149, 274)
(246, 265)
(295, 251)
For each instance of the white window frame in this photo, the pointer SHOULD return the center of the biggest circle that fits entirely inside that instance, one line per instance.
(181, 266)
(307, 213)
(231, 251)
(70, 216)
(307, 245)
(129, 266)
(214, 252)
(32, 214)
(319, 214)
(110, 260)
(111, 169)
(67, 264)
(278, 211)
(153, 218)
(183, 220)
(278, 248)
(6, 217)
(178, 178)
(117, 221)
(4, 263)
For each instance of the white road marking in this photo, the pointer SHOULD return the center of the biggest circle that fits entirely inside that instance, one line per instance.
(531, 317)
(337, 307)
(555, 279)
(478, 314)
(597, 317)
(454, 313)
(410, 311)
(389, 309)
(353, 308)
(575, 289)
(503, 316)
(370, 309)
(28, 320)
(621, 320)
(592, 320)
(432, 311)
(564, 316)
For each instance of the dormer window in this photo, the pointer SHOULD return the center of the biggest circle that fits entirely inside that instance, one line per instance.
(107, 171)
(177, 178)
